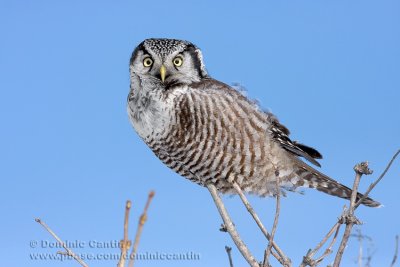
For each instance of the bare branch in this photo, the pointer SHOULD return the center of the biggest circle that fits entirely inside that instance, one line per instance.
(230, 227)
(139, 230)
(396, 251)
(349, 218)
(308, 259)
(69, 252)
(125, 243)
(360, 238)
(228, 251)
(329, 248)
(275, 225)
(377, 180)
(285, 261)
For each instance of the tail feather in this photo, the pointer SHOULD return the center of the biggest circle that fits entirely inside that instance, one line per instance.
(312, 178)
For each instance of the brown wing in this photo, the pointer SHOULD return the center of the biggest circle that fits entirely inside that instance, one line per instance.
(281, 134)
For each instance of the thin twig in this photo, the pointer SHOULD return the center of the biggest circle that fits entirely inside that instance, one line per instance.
(311, 253)
(308, 258)
(360, 237)
(329, 248)
(69, 252)
(275, 225)
(395, 252)
(377, 180)
(285, 261)
(125, 243)
(349, 218)
(231, 228)
(228, 251)
(139, 230)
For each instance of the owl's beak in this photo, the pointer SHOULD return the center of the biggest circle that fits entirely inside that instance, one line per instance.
(163, 72)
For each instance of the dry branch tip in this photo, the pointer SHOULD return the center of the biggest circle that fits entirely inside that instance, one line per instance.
(363, 168)
(68, 252)
(228, 251)
(142, 221)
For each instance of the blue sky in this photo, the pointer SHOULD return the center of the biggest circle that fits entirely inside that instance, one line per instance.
(330, 70)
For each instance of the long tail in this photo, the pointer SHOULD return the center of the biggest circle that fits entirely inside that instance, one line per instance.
(309, 177)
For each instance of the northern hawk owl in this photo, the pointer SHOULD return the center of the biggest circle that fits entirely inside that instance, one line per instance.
(209, 132)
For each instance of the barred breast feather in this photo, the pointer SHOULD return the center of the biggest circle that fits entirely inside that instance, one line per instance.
(216, 135)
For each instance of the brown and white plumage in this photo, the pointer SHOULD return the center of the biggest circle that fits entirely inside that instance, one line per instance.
(209, 132)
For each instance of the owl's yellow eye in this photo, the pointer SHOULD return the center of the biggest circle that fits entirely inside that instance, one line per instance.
(178, 61)
(147, 62)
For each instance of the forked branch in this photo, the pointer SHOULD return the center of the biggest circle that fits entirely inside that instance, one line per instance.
(343, 219)
(230, 228)
(124, 244)
(372, 186)
(268, 250)
(348, 217)
(279, 255)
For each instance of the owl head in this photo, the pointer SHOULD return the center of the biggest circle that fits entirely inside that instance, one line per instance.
(168, 60)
